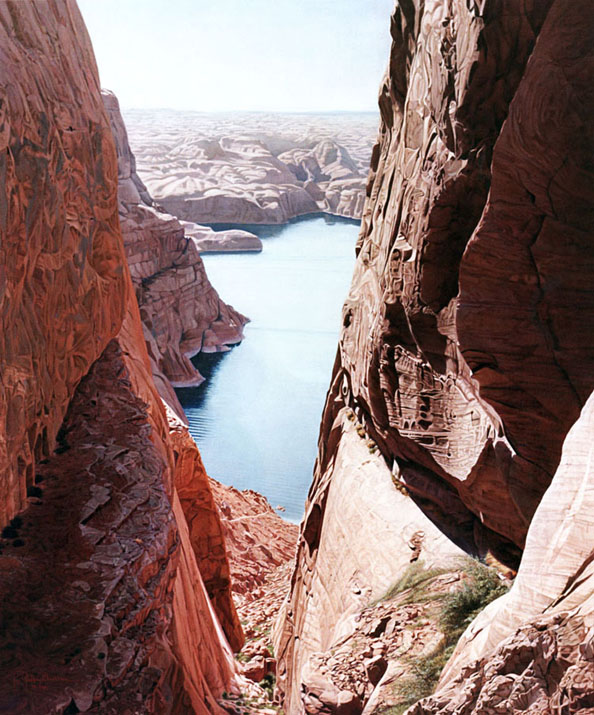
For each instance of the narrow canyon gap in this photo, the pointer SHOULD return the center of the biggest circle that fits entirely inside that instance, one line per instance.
(458, 420)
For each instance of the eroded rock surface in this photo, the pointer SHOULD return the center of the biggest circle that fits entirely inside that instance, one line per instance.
(63, 290)
(359, 536)
(257, 539)
(104, 606)
(534, 647)
(181, 312)
(207, 531)
(466, 353)
(89, 572)
(261, 548)
(253, 168)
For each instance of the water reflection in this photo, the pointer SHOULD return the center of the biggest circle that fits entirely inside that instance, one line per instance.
(256, 418)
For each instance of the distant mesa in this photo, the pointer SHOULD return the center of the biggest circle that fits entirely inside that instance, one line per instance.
(252, 169)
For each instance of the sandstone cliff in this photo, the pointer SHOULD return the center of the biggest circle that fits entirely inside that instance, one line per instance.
(180, 310)
(104, 605)
(466, 351)
(534, 647)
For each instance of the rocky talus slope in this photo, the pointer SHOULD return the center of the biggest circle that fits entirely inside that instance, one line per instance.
(261, 549)
(466, 352)
(253, 168)
(111, 543)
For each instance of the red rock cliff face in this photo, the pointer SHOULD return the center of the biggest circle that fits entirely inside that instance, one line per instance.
(181, 312)
(104, 608)
(63, 288)
(466, 350)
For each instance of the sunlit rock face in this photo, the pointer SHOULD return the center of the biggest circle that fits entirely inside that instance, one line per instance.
(466, 350)
(205, 530)
(257, 539)
(181, 312)
(104, 605)
(535, 645)
(63, 289)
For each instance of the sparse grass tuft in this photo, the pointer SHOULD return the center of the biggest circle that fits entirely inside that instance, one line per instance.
(456, 611)
(462, 606)
(415, 578)
(268, 684)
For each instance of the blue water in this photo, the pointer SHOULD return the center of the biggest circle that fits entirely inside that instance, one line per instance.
(257, 416)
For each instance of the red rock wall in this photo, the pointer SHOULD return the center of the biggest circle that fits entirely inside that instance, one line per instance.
(416, 352)
(205, 530)
(533, 649)
(465, 342)
(62, 287)
(187, 305)
(104, 607)
(257, 539)
(466, 350)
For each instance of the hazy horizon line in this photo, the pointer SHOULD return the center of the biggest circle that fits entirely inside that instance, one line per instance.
(125, 108)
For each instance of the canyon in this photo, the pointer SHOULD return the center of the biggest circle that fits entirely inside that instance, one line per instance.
(253, 168)
(116, 583)
(458, 422)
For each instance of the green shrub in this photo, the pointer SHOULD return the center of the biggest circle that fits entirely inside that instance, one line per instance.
(455, 612)
(415, 578)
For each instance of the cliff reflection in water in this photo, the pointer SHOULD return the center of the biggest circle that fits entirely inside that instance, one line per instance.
(256, 417)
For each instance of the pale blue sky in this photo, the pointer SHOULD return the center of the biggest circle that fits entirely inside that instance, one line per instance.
(210, 55)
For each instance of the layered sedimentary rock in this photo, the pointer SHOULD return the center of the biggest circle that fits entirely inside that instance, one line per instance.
(261, 548)
(534, 647)
(466, 350)
(181, 312)
(359, 535)
(207, 240)
(63, 288)
(104, 606)
(254, 168)
(256, 538)
(206, 532)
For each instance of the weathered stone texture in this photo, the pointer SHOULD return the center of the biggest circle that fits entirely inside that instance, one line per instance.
(205, 530)
(534, 647)
(359, 535)
(181, 312)
(466, 351)
(62, 287)
(103, 604)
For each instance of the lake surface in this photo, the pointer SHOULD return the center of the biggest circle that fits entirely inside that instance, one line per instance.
(257, 416)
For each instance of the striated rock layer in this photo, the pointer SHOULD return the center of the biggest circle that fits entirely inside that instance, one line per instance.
(360, 533)
(257, 539)
(181, 312)
(466, 350)
(534, 647)
(104, 605)
(62, 283)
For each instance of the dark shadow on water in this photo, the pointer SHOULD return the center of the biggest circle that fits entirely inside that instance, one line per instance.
(207, 365)
(269, 230)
